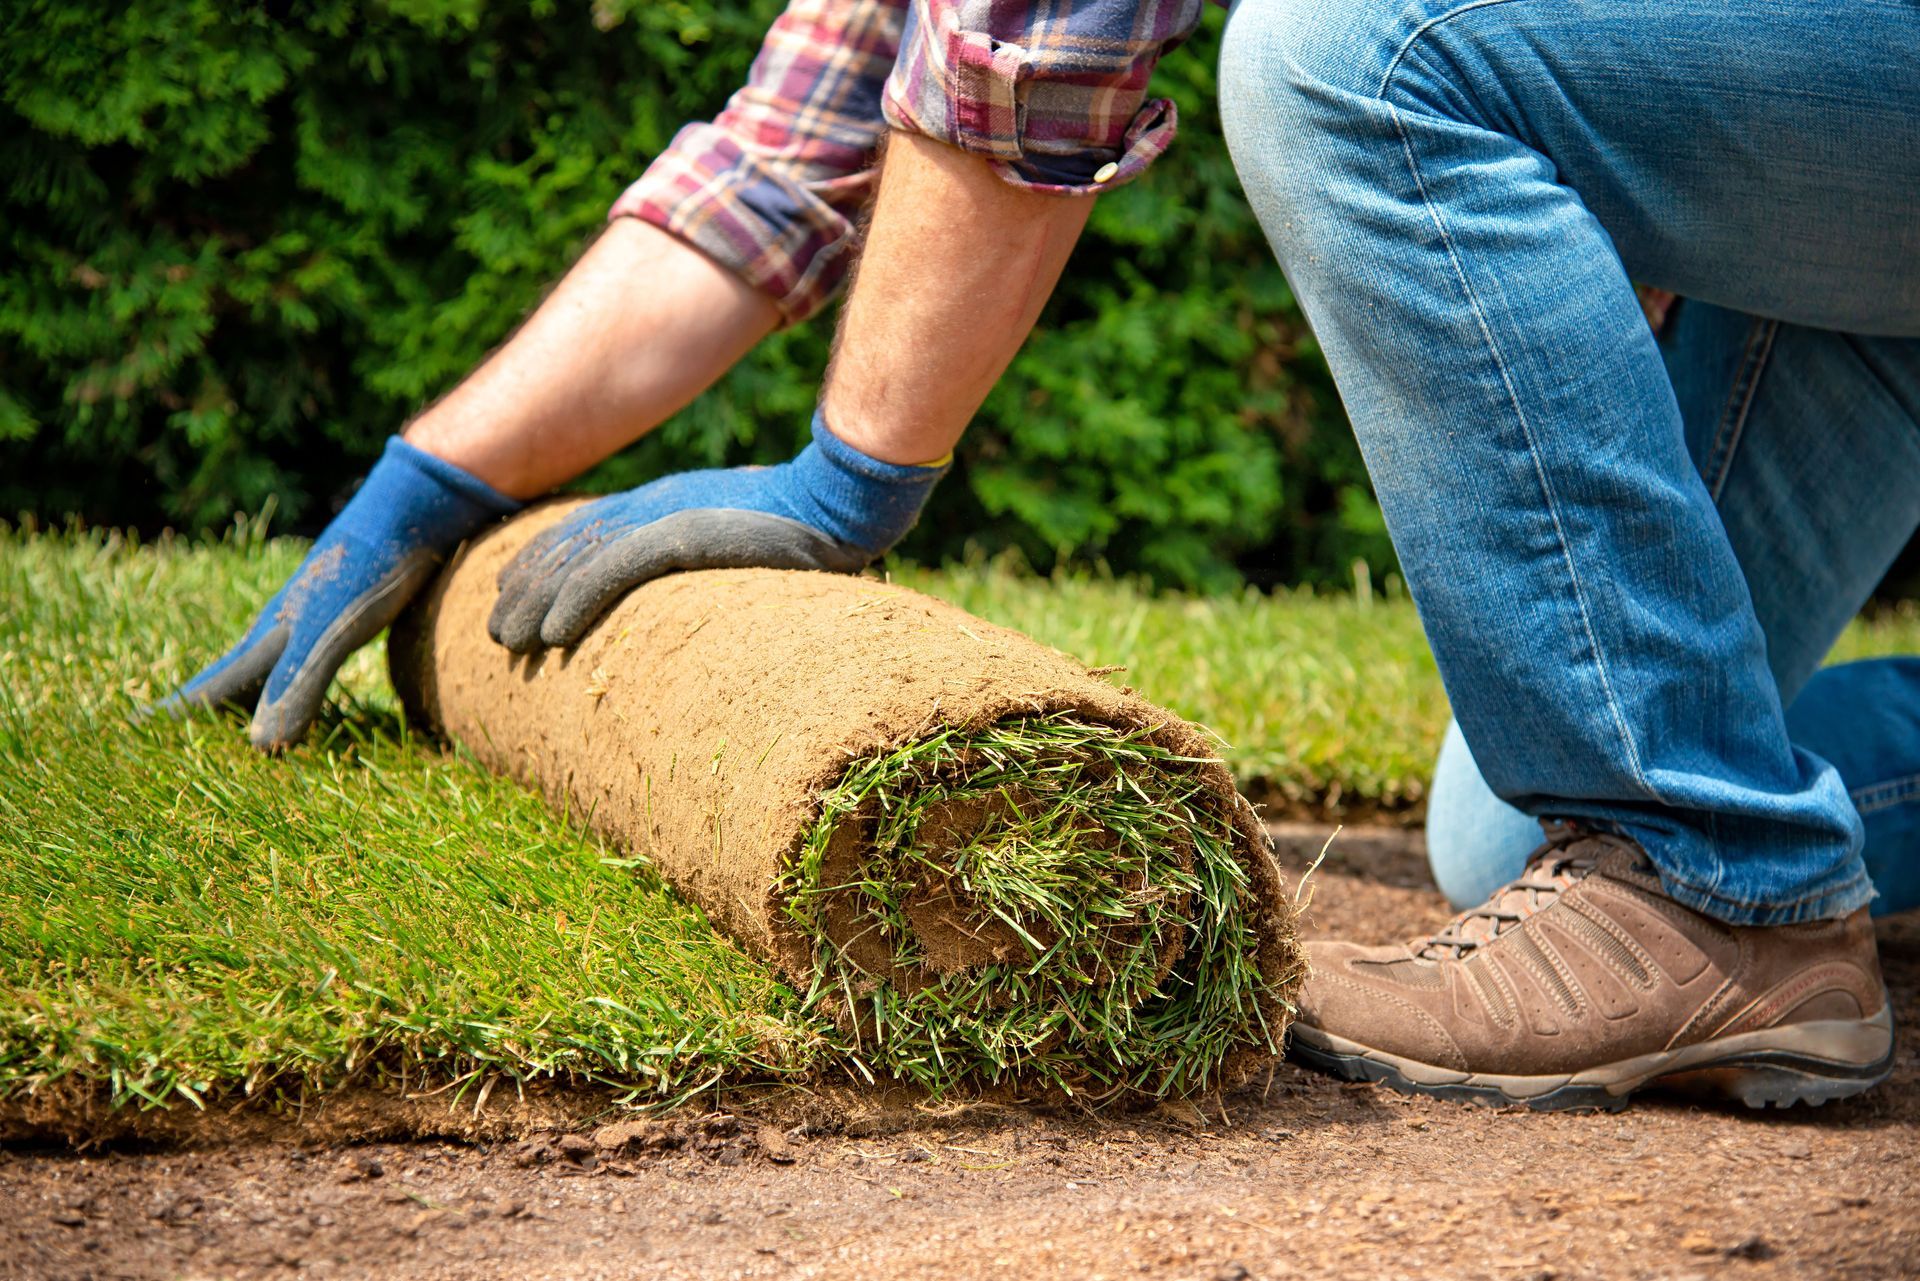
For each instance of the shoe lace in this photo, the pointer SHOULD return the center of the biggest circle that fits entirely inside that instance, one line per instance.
(1568, 854)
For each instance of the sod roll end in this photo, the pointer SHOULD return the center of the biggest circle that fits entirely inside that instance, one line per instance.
(977, 858)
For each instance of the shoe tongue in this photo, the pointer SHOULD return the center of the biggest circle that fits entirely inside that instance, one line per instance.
(1631, 866)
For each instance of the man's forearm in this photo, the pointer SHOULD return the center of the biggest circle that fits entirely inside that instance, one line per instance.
(957, 265)
(640, 326)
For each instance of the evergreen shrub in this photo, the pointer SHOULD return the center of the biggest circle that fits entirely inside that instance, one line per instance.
(241, 243)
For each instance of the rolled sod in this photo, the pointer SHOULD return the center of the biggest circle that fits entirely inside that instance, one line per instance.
(978, 858)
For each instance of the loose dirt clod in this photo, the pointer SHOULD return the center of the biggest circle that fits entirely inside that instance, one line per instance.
(977, 857)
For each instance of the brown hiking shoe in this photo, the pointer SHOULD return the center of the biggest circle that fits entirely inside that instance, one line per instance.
(1582, 982)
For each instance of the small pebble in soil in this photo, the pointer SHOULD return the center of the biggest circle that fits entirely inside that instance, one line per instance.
(174, 1210)
(362, 1167)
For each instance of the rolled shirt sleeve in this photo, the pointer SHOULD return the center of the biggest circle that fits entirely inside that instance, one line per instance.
(772, 187)
(1054, 95)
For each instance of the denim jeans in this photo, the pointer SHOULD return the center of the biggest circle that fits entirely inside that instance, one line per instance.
(1863, 717)
(1460, 195)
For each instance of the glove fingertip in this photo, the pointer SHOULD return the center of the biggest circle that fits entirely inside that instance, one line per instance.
(564, 631)
(234, 679)
(278, 726)
(518, 629)
(497, 621)
(274, 744)
(288, 704)
(517, 614)
(588, 593)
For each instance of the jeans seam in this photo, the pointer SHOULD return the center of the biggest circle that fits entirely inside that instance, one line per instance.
(1393, 64)
(1739, 407)
(1533, 449)
(1711, 886)
(1884, 795)
(1771, 904)
(1717, 463)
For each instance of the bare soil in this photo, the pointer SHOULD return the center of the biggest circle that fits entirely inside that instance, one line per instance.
(1295, 1176)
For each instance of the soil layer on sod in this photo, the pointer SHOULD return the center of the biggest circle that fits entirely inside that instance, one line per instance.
(977, 858)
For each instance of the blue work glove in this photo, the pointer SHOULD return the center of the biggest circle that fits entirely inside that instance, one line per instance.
(411, 510)
(831, 508)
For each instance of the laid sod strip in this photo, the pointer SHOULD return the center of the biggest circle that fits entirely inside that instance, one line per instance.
(372, 915)
(1099, 861)
(183, 920)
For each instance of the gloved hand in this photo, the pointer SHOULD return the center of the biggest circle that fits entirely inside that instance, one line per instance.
(411, 510)
(831, 508)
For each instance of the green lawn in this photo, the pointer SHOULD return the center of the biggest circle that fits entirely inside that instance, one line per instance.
(180, 918)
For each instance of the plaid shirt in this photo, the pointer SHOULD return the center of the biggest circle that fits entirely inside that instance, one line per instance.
(1053, 95)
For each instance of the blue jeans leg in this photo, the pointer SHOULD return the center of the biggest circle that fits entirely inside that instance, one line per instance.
(1459, 195)
(1778, 418)
(1864, 717)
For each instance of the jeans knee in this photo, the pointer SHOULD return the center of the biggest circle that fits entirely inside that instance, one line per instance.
(1310, 67)
(1309, 139)
(1267, 110)
(1265, 56)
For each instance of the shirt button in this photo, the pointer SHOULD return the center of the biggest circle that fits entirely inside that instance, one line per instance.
(1105, 172)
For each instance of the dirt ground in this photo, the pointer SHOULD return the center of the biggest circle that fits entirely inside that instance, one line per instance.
(1298, 1176)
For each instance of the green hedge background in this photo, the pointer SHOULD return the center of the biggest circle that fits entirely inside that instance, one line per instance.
(243, 243)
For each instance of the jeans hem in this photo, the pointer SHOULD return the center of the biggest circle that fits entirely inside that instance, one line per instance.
(1824, 905)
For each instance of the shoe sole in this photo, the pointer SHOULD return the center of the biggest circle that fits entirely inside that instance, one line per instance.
(1809, 1063)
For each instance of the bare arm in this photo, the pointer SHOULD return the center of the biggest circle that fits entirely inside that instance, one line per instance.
(640, 326)
(740, 224)
(957, 266)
